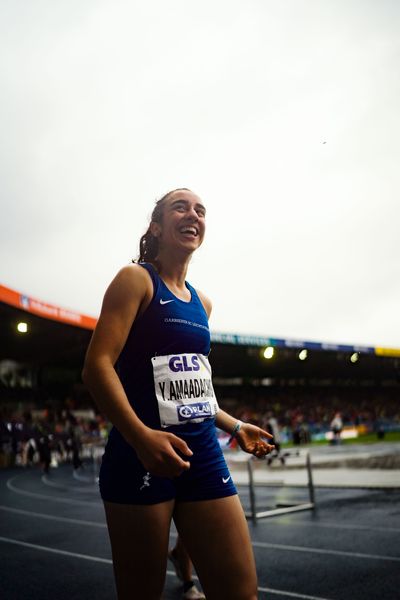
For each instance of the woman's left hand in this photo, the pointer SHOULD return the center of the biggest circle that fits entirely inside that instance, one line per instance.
(250, 439)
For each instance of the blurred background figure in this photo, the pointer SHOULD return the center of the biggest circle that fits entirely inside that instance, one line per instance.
(336, 427)
(74, 441)
(44, 448)
(272, 426)
(300, 430)
(183, 569)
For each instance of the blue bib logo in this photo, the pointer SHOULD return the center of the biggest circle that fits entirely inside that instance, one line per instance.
(180, 363)
(199, 410)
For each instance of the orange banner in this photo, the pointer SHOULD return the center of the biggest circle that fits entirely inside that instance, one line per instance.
(45, 310)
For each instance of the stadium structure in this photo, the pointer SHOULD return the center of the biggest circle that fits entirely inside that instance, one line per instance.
(42, 350)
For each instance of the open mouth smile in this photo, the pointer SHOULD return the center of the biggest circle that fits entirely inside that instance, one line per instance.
(192, 231)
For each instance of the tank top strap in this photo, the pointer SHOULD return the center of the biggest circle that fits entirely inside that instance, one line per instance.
(155, 278)
(159, 286)
(194, 294)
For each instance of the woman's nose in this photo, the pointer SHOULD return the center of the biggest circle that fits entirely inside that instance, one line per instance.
(192, 213)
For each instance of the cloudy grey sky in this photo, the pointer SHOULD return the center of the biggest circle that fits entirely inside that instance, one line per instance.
(283, 116)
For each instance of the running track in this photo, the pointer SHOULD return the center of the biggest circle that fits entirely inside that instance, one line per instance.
(54, 543)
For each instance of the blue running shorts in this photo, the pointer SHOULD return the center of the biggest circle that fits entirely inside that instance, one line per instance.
(124, 480)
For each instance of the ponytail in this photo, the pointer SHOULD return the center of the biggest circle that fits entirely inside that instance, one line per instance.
(148, 247)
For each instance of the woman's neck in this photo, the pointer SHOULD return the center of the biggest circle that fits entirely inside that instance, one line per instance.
(173, 269)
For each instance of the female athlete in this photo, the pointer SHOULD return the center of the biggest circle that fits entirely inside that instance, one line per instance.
(147, 369)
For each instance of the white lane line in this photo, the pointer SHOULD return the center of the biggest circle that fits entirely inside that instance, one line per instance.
(64, 488)
(44, 479)
(108, 561)
(173, 534)
(255, 544)
(78, 477)
(323, 551)
(289, 594)
(329, 525)
(44, 496)
(315, 550)
(325, 524)
(55, 550)
(30, 513)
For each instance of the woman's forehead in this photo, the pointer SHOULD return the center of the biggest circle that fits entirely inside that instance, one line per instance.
(185, 195)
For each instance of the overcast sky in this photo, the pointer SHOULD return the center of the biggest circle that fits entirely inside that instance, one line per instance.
(282, 115)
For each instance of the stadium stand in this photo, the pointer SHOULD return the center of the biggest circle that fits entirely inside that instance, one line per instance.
(303, 384)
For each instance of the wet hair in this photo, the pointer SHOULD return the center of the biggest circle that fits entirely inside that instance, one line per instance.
(148, 244)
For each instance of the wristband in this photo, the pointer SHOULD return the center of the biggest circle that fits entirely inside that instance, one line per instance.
(235, 431)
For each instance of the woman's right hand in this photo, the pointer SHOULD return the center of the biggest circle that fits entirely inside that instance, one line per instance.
(156, 451)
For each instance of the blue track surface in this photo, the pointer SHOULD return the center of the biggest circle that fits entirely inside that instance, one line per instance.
(54, 542)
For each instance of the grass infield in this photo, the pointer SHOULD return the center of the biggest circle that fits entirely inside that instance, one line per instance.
(368, 438)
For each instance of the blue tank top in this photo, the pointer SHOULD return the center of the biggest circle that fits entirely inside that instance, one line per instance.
(168, 326)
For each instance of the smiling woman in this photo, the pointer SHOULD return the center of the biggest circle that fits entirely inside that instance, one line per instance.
(149, 242)
(148, 370)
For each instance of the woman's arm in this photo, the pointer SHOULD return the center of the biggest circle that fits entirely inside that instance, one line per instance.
(249, 436)
(122, 301)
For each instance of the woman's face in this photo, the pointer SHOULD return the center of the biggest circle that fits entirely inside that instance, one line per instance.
(183, 222)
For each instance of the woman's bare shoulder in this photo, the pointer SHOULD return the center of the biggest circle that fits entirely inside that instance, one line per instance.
(130, 283)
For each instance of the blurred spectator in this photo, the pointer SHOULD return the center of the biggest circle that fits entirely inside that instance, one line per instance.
(272, 426)
(303, 413)
(336, 428)
(44, 447)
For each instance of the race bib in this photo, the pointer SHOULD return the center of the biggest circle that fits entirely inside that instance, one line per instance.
(184, 389)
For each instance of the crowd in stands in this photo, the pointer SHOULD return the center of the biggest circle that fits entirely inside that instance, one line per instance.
(307, 414)
(48, 437)
(42, 434)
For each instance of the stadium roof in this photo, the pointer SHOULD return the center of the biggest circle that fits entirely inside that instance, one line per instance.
(57, 338)
(45, 310)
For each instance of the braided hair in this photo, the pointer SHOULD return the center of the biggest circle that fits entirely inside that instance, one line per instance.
(148, 245)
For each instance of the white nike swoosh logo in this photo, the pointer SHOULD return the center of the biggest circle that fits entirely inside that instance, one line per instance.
(165, 301)
(226, 480)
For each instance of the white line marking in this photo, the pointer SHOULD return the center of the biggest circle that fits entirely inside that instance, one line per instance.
(44, 479)
(316, 550)
(323, 551)
(78, 477)
(108, 561)
(171, 573)
(55, 550)
(30, 513)
(65, 487)
(328, 524)
(44, 496)
(290, 594)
